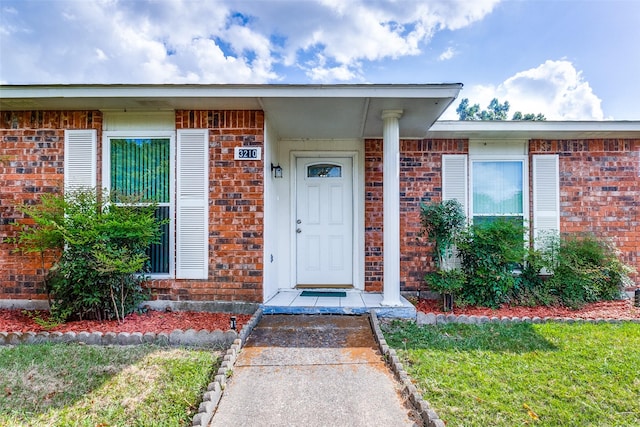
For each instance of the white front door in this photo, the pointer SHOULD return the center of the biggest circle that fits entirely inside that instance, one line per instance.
(324, 221)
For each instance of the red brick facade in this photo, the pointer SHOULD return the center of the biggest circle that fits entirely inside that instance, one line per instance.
(420, 181)
(32, 163)
(599, 188)
(236, 210)
(599, 193)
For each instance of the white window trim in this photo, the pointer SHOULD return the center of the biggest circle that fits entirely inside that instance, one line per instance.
(106, 181)
(526, 203)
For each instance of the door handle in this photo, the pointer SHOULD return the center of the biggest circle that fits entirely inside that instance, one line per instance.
(299, 221)
(298, 231)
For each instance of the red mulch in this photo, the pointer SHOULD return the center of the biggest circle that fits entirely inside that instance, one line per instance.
(599, 310)
(151, 321)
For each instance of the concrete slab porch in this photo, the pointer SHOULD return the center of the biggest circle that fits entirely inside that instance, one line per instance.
(289, 301)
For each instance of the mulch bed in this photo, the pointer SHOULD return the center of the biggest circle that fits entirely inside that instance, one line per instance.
(600, 310)
(159, 321)
(151, 321)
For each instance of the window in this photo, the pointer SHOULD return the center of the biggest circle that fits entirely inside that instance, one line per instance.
(144, 154)
(140, 167)
(497, 190)
(324, 171)
(497, 186)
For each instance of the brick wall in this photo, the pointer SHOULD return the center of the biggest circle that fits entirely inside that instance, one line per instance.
(420, 182)
(600, 190)
(236, 210)
(599, 182)
(373, 219)
(31, 164)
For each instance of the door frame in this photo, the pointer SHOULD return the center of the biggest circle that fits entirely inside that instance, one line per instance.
(357, 183)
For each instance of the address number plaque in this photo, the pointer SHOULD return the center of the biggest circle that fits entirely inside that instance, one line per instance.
(247, 153)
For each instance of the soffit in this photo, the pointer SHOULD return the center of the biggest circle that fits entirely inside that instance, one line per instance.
(295, 111)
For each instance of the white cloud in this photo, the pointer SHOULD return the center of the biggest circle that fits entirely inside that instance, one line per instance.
(100, 55)
(146, 41)
(554, 88)
(447, 54)
(349, 33)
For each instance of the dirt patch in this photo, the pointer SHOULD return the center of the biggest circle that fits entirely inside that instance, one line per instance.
(599, 310)
(151, 321)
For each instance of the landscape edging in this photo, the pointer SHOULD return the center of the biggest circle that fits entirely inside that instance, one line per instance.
(429, 417)
(442, 319)
(211, 398)
(203, 338)
(178, 337)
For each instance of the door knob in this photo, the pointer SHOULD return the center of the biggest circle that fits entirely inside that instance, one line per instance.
(299, 221)
(298, 231)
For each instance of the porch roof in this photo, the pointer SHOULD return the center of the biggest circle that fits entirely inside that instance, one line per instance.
(294, 111)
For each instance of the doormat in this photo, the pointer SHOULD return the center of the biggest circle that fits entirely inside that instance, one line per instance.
(323, 294)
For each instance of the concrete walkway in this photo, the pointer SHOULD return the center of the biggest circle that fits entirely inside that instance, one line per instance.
(311, 370)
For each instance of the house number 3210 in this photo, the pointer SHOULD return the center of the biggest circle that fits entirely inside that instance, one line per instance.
(247, 153)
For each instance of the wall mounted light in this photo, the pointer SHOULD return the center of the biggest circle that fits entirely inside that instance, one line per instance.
(277, 170)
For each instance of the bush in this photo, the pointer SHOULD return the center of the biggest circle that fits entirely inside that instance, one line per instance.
(442, 223)
(498, 268)
(530, 289)
(585, 269)
(490, 252)
(98, 274)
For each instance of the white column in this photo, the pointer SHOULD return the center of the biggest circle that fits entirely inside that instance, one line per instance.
(391, 207)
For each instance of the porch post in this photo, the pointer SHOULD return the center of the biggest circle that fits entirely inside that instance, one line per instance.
(391, 207)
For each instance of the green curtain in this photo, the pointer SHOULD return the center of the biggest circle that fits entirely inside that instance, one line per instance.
(140, 167)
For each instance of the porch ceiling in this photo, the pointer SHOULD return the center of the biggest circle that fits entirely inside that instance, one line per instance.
(295, 111)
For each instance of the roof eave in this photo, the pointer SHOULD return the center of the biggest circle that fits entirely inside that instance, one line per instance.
(510, 129)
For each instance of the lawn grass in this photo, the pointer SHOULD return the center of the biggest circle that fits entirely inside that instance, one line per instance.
(81, 385)
(549, 374)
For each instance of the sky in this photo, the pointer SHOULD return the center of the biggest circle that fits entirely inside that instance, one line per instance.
(566, 59)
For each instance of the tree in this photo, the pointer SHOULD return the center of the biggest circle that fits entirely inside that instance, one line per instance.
(530, 117)
(495, 111)
(466, 112)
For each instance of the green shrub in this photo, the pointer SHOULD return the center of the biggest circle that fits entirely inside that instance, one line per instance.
(490, 251)
(585, 269)
(446, 281)
(442, 223)
(498, 268)
(104, 251)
